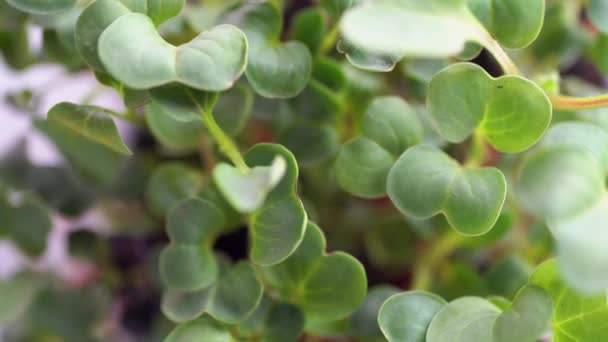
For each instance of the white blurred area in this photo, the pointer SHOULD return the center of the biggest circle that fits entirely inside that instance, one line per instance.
(53, 84)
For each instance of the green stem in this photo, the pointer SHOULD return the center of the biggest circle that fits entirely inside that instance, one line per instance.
(227, 146)
(439, 250)
(500, 55)
(574, 103)
(128, 116)
(330, 41)
(477, 152)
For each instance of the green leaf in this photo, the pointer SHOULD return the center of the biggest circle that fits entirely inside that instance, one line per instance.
(327, 287)
(91, 122)
(201, 328)
(514, 23)
(393, 124)
(598, 12)
(169, 184)
(581, 247)
(92, 160)
(187, 267)
(273, 322)
(142, 59)
(95, 18)
(247, 191)
(471, 199)
(277, 228)
(364, 322)
(276, 69)
(161, 10)
(26, 221)
(507, 276)
(182, 103)
(464, 319)
(576, 317)
(309, 27)
(390, 126)
(175, 134)
(527, 319)
(560, 181)
(311, 144)
(511, 112)
(362, 168)
(405, 317)
(231, 299)
(395, 29)
(42, 6)
(194, 222)
(16, 295)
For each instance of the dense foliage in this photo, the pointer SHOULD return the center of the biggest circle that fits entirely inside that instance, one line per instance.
(455, 150)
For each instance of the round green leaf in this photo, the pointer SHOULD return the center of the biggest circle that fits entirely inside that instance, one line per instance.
(231, 299)
(511, 112)
(514, 23)
(42, 6)
(275, 69)
(471, 199)
(175, 134)
(142, 59)
(463, 320)
(588, 137)
(91, 122)
(581, 247)
(327, 287)
(169, 184)
(527, 319)
(560, 181)
(434, 28)
(364, 322)
(405, 317)
(309, 27)
(277, 228)
(362, 168)
(202, 329)
(393, 124)
(311, 144)
(194, 221)
(188, 267)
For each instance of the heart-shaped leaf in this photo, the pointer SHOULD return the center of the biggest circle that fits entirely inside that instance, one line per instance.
(169, 184)
(231, 299)
(247, 191)
(514, 23)
(405, 317)
(527, 319)
(471, 199)
(390, 126)
(511, 112)
(575, 316)
(193, 331)
(144, 60)
(277, 228)
(275, 69)
(188, 263)
(462, 320)
(42, 6)
(91, 122)
(327, 287)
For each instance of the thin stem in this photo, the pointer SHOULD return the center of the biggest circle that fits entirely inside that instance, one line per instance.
(329, 41)
(128, 115)
(500, 55)
(477, 152)
(439, 250)
(573, 103)
(227, 146)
